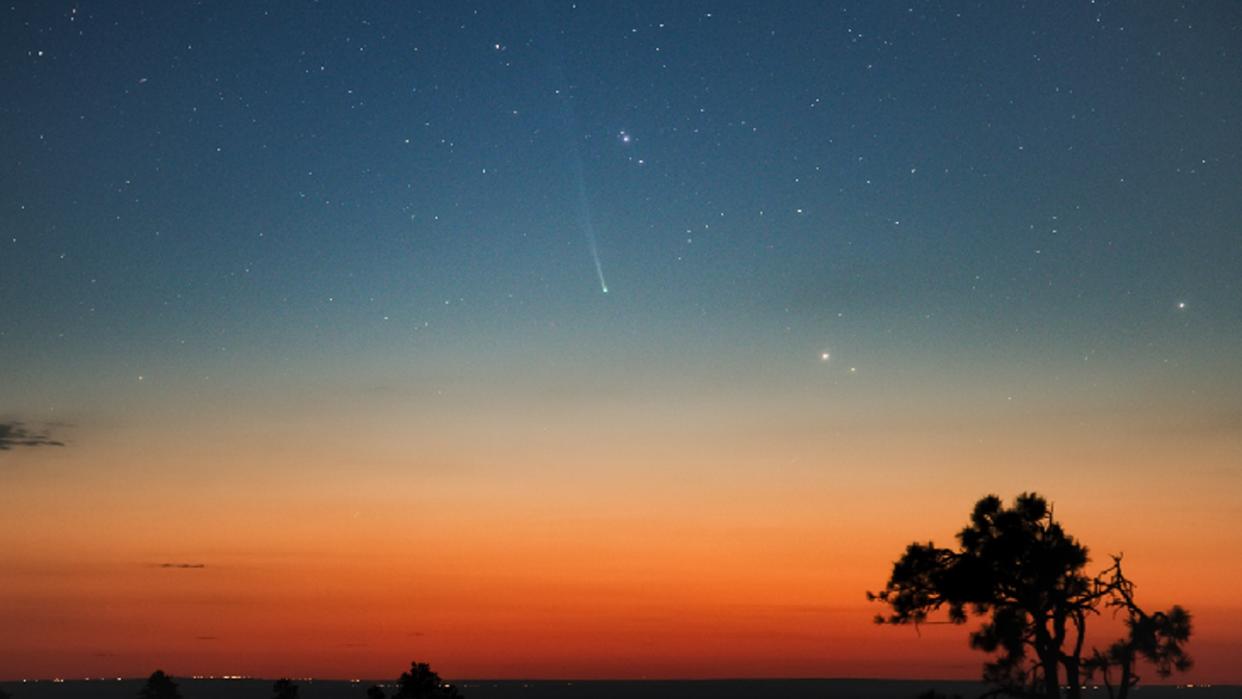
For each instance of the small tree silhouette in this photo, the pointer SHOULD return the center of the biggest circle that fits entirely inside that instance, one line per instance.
(1022, 572)
(159, 686)
(284, 688)
(422, 683)
(1156, 638)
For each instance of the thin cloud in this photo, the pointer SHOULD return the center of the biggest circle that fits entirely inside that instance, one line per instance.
(183, 566)
(16, 434)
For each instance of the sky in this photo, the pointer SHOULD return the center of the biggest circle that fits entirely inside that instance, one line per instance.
(600, 339)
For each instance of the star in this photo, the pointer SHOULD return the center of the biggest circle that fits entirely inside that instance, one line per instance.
(824, 356)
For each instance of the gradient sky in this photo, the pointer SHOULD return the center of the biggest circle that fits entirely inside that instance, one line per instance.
(312, 296)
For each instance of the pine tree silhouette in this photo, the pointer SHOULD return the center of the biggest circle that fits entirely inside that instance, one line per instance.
(159, 686)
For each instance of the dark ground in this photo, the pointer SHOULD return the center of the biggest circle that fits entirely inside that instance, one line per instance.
(548, 689)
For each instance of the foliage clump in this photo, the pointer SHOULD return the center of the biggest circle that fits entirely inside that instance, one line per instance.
(1018, 569)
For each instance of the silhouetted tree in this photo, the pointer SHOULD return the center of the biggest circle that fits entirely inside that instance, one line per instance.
(1018, 568)
(284, 688)
(1157, 638)
(375, 692)
(159, 686)
(422, 683)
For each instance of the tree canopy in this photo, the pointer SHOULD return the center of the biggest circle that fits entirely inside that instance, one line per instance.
(421, 682)
(159, 686)
(1017, 569)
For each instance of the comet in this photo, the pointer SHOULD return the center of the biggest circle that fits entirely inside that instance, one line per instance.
(587, 223)
(571, 134)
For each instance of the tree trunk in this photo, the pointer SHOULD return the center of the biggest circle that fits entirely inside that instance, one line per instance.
(1127, 679)
(1073, 663)
(1072, 679)
(1052, 688)
(1050, 656)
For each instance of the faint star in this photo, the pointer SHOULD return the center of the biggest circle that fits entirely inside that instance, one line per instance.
(824, 356)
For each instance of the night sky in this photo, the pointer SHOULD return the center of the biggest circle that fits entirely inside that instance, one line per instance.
(601, 339)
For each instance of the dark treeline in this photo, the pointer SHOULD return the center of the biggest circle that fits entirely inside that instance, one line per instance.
(582, 689)
(419, 682)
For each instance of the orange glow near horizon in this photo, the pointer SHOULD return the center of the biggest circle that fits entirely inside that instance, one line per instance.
(248, 568)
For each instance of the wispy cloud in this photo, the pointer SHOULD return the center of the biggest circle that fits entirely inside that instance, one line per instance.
(183, 566)
(15, 434)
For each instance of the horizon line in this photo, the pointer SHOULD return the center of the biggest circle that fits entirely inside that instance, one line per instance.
(570, 680)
